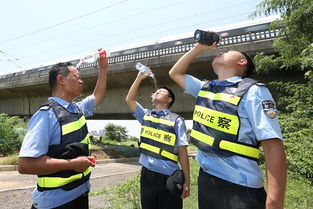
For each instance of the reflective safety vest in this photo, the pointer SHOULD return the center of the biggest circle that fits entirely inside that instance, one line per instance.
(216, 122)
(74, 142)
(158, 138)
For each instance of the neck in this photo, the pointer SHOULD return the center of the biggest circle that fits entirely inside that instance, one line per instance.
(224, 74)
(159, 107)
(63, 95)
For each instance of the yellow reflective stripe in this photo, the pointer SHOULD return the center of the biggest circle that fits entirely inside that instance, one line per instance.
(158, 135)
(240, 149)
(202, 137)
(70, 127)
(220, 96)
(150, 147)
(159, 120)
(169, 155)
(54, 182)
(217, 120)
(227, 145)
(86, 140)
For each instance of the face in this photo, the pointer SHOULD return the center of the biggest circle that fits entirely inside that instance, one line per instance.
(72, 83)
(161, 96)
(228, 59)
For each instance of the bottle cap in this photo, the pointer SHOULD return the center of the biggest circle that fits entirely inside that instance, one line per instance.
(102, 53)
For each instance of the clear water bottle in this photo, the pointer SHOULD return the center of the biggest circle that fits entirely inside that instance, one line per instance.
(95, 56)
(144, 69)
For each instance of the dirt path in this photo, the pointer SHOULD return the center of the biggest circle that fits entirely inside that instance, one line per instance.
(16, 189)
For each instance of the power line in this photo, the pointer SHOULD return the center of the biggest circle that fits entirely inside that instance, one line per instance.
(137, 37)
(102, 24)
(9, 59)
(138, 14)
(62, 23)
(154, 33)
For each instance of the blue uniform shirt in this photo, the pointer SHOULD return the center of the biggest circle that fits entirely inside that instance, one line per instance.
(43, 131)
(166, 167)
(254, 124)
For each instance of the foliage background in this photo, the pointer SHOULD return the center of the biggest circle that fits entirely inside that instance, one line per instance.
(12, 131)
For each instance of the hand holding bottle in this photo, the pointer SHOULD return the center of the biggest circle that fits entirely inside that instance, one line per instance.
(144, 69)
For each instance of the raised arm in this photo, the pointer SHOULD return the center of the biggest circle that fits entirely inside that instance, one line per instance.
(100, 88)
(132, 93)
(276, 172)
(178, 71)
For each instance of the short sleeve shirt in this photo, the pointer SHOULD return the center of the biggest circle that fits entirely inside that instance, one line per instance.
(165, 167)
(255, 123)
(43, 131)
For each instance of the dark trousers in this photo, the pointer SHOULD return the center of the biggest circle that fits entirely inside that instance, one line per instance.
(216, 193)
(80, 202)
(154, 194)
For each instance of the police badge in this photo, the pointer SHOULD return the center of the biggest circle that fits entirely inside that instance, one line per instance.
(269, 108)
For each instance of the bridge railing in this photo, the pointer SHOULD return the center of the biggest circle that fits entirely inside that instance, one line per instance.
(250, 33)
(236, 36)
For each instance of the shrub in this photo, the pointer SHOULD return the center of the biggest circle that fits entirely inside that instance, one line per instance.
(12, 132)
(115, 132)
(126, 195)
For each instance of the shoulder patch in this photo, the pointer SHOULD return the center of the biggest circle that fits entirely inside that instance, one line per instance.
(269, 108)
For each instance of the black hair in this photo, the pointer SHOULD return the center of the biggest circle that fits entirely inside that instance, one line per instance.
(170, 94)
(58, 69)
(250, 68)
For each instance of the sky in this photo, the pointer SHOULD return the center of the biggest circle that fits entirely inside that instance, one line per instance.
(36, 32)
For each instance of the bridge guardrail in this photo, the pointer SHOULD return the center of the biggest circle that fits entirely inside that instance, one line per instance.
(257, 33)
(235, 36)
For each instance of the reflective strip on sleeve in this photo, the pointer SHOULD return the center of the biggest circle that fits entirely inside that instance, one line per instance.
(158, 135)
(159, 120)
(240, 149)
(74, 126)
(220, 96)
(217, 120)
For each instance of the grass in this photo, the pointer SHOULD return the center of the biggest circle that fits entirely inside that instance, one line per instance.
(9, 160)
(299, 192)
(113, 149)
(117, 150)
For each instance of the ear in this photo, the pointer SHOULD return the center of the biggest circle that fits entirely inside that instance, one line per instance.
(242, 62)
(169, 100)
(60, 80)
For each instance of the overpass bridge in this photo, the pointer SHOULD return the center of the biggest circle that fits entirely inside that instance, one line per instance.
(22, 93)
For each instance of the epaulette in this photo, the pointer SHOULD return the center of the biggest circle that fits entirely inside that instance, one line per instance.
(45, 107)
(261, 84)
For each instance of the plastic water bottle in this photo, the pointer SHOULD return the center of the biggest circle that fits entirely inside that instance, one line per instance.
(144, 69)
(95, 56)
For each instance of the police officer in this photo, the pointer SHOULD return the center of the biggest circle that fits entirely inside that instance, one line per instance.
(163, 142)
(56, 146)
(232, 116)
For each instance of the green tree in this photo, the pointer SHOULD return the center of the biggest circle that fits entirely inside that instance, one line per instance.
(296, 26)
(294, 98)
(115, 132)
(12, 132)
